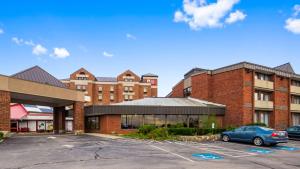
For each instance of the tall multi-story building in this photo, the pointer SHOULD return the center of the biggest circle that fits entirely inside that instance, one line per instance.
(252, 93)
(106, 90)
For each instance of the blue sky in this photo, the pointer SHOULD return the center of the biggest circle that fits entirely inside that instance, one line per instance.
(107, 37)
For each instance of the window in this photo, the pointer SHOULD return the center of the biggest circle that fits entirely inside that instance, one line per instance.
(262, 96)
(131, 121)
(92, 123)
(128, 79)
(131, 89)
(112, 88)
(130, 97)
(112, 97)
(187, 91)
(145, 89)
(100, 97)
(250, 129)
(295, 83)
(295, 99)
(261, 117)
(126, 97)
(81, 87)
(82, 78)
(126, 88)
(296, 119)
(100, 89)
(261, 76)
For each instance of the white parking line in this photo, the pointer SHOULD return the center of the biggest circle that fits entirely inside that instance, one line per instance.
(172, 153)
(219, 150)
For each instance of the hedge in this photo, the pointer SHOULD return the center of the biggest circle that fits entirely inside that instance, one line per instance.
(1, 135)
(193, 131)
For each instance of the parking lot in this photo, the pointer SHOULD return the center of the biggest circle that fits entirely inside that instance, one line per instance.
(69, 151)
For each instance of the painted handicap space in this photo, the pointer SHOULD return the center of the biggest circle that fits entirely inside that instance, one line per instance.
(260, 150)
(286, 148)
(207, 156)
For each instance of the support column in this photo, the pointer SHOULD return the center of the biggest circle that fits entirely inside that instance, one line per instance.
(59, 118)
(5, 112)
(78, 118)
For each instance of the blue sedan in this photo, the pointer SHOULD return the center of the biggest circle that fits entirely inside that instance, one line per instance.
(255, 134)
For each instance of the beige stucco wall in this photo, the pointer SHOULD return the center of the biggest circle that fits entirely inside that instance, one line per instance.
(37, 89)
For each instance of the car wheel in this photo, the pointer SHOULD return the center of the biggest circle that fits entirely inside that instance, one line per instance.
(258, 141)
(225, 138)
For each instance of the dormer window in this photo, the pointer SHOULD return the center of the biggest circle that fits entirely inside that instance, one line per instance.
(82, 76)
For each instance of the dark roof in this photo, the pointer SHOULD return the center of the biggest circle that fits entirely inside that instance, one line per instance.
(192, 71)
(106, 79)
(149, 75)
(159, 106)
(286, 68)
(39, 75)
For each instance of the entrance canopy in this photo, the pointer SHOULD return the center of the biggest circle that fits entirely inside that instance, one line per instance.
(37, 87)
(166, 106)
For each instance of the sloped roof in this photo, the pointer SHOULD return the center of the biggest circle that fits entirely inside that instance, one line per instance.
(17, 112)
(150, 75)
(286, 68)
(39, 75)
(174, 102)
(106, 79)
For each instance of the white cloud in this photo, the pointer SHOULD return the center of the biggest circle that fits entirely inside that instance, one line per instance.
(130, 36)
(60, 53)
(20, 41)
(292, 24)
(296, 10)
(17, 40)
(1, 31)
(106, 54)
(235, 16)
(199, 14)
(39, 50)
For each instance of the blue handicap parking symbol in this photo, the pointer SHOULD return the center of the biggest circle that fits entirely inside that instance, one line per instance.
(208, 156)
(260, 150)
(286, 148)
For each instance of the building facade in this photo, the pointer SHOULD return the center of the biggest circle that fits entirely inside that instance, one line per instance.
(107, 90)
(252, 93)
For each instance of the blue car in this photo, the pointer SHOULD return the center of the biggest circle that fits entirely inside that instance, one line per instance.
(255, 134)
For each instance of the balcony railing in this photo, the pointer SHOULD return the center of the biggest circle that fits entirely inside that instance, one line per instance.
(295, 90)
(295, 107)
(264, 104)
(264, 84)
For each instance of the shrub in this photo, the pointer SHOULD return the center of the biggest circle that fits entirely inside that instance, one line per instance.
(159, 134)
(146, 129)
(178, 125)
(209, 131)
(182, 131)
(1, 135)
(257, 124)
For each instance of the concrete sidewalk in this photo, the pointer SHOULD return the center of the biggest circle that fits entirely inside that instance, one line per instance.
(104, 135)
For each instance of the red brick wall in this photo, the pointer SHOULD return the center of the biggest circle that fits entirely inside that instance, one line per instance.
(200, 86)
(177, 90)
(280, 116)
(111, 124)
(78, 116)
(248, 96)
(227, 89)
(4, 111)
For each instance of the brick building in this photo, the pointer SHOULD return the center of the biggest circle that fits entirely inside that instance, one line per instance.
(252, 93)
(107, 90)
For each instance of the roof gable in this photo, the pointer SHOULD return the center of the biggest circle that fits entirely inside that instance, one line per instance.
(136, 77)
(80, 71)
(286, 68)
(39, 75)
